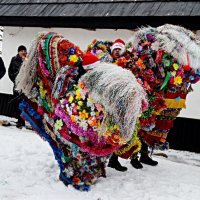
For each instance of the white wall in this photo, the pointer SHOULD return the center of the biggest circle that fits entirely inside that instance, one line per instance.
(15, 36)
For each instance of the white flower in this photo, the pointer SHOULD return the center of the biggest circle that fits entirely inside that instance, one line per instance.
(69, 171)
(92, 107)
(92, 113)
(84, 124)
(90, 104)
(72, 105)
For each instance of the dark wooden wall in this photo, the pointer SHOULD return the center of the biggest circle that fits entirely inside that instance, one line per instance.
(185, 135)
(6, 106)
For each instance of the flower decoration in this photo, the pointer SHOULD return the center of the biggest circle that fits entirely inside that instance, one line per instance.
(177, 80)
(83, 115)
(73, 58)
(58, 124)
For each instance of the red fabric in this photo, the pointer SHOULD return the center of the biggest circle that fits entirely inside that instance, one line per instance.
(89, 59)
(174, 95)
(151, 137)
(129, 153)
(164, 124)
(119, 41)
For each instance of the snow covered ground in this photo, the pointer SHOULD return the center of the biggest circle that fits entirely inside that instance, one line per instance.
(28, 171)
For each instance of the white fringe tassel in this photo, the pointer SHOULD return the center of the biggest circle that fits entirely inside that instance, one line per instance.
(118, 91)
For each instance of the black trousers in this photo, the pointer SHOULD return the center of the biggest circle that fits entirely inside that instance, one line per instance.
(16, 101)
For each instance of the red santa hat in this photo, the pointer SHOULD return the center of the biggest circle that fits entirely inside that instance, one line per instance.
(118, 44)
(89, 61)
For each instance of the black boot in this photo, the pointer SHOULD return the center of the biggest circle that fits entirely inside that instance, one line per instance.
(147, 160)
(144, 158)
(20, 123)
(114, 163)
(136, 163)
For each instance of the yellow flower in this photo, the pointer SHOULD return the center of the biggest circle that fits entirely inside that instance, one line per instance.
(80, 103)
(178, 80)
(83, 114)
(176, 66)
(97, 113)
(73, 58)
(71, 98)
(78, 94)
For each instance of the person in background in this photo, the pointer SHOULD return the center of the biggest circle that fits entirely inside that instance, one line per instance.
(118, 50)
(13, 71)
(2, 68)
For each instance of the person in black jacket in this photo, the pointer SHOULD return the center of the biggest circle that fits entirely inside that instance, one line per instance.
(13, 71)
(2, 68)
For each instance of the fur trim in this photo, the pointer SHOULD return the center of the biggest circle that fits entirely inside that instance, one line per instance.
(118, 46)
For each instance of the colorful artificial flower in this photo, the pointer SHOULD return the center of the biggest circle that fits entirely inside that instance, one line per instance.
(92, 121)
(173, 73)
(122, 61)
(73, 58)
(92, 113)
(73, 118)
(186, 68)
(78, 94)
(140, 64)
(84, 124)
(76, 180)
(83, 114)
(175, 66)
(80, 103)
(177, 80)
(58, 124)
(97, 113)
(71, 98)
(81, 85)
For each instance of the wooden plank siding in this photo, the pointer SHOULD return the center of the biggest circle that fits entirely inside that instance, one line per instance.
(6, 106)
(185, 135)
(99, 13)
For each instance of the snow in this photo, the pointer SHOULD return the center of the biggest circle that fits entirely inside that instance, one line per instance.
(28, 171)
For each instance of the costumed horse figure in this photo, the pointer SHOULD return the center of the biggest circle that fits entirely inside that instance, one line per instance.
(85, 114)
(165, 61)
